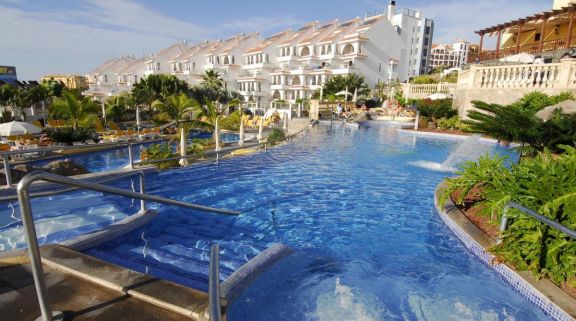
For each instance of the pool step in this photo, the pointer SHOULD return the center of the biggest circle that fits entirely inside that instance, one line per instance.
(186, 265)
(165, 294)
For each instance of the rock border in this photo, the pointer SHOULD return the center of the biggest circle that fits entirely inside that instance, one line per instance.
(542, 293)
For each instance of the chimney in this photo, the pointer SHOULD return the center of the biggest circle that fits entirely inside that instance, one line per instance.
(391, 10)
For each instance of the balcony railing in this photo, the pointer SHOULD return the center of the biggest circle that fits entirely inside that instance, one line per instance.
(412, 91)
(533, 48)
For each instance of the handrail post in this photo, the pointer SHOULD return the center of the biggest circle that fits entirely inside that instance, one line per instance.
(130, 156)
(7, 170)
(142, 191)
(215, 310)
(34, 252)
(503, 222)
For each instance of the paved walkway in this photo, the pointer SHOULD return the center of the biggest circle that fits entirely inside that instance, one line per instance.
(82, 299)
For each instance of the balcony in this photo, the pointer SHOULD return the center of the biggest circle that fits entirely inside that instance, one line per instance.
(534, 48)
(152, 72)
(252, 93)
(261, 65)
(279, 87)
(344, 70)
(286, 58)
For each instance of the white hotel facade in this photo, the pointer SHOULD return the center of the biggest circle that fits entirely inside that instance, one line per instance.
(395, 45)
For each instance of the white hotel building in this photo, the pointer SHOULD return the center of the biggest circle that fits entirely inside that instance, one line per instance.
(289, 65)
(453, 55)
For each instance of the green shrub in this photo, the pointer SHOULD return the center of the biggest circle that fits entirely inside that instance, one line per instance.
(203, 141)
(276, 135)
(231, 122)
(436, 109)
(195, 148)
(158, 152)
(69, 135)
(424, 80)
(449, 123)
(518, 123)
(545, 184)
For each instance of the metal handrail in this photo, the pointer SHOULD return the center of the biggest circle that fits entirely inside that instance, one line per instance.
(66, 190)
(30, 230)
(5, 155)
(214, 307)
(49, 149)
(226, 150)
(542, 219)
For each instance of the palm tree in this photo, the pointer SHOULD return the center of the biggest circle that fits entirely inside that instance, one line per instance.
(74, 108)
(115, 107)
(208, 116)
(351, 82)
(180, 109)
(212, 79)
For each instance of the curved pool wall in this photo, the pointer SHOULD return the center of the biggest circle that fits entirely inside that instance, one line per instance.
(538, 292)
(359, 214)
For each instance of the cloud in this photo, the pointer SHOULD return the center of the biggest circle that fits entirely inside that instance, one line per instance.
(262, 24)
(460, 18)
(75, 40)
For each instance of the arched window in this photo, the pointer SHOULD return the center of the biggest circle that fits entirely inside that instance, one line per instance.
(348, 49)
(305, 52)
(296, 81)
(226, 60)
(276, 95)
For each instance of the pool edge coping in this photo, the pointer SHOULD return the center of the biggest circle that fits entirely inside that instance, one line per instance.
(545, 295)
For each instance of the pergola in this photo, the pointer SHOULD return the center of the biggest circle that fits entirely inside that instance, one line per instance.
(541, 22)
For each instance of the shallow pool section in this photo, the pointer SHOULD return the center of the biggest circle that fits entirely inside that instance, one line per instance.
(60, 218)
(226, 137)
(357, 209)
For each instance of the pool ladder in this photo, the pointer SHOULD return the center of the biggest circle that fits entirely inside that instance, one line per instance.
(32, 242)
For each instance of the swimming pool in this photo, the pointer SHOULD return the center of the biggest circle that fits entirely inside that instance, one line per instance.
(226, 137)
(359, 214)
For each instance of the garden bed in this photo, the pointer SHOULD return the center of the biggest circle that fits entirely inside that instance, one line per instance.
(490, 228)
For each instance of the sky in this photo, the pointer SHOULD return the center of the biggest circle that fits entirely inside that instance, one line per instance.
(42, 37)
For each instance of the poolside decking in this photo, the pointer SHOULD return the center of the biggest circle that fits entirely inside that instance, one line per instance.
(87, 288)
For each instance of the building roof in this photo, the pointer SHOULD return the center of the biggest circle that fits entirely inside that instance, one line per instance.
(114, 64)
(130, 68)
(319, 33)
(229, 44)
(171, 51)
(270, 41)
(195, 49)
(533, 18)
(343, 29)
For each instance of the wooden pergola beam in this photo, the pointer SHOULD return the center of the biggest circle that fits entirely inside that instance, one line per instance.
(534, 18)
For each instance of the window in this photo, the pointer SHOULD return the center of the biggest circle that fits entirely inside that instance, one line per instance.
(537, 37)
(348, 49)
(427, 30)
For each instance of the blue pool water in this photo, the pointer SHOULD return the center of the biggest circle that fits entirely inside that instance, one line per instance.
(358, 212)
(224, 136)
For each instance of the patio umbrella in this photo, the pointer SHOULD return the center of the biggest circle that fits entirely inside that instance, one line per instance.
(521, 57)
(355, 95)
(18, 128)
(260, 129)
(567, 107)
(438, 96)
(343, 93)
